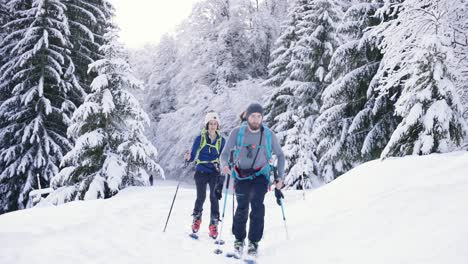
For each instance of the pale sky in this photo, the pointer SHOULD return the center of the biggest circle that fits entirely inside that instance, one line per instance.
(145, 21)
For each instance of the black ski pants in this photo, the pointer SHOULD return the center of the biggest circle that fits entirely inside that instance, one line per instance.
(202, 179)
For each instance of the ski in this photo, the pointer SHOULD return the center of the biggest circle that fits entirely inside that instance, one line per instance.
(219, 242)
(233, 255)
(194, 236)
(250, 261)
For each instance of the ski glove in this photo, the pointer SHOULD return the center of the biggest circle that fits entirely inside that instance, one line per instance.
(219, 187)
(279, 195)
(219, 192)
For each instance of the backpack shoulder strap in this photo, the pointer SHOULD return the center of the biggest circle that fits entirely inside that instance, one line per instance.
(268, 136)
(240, 134)
(202, 144)
(240, 140)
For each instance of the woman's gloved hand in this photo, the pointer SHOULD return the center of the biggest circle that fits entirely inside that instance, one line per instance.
(219, 187)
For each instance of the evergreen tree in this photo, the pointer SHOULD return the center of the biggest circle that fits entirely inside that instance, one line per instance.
(377, 120)
(39, 79)
(87, 19)
(111, 151)
(458, 26)
(429, 104)
(282, 113)
(294, 105)
(4, 17)
(4, 93)
(339, 131)
(277, 71)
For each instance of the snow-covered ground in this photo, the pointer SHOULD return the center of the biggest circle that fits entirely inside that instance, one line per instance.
(407, 210)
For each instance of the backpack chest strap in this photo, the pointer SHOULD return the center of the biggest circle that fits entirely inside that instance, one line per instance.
(203, 143)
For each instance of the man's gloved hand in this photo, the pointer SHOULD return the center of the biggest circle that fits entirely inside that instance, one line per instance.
(226, 170)
(279, 195)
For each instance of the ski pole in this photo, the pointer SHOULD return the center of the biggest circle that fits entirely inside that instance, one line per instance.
(220, 241)
(284, 218)
(275, 172)
(231, 164)
(301, 160)
(173, 200)
(233, 203)
(302, 180)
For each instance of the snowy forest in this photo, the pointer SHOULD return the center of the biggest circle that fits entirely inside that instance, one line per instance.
(343, 82)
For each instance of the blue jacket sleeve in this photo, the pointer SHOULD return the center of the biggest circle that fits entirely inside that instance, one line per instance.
(195, 146)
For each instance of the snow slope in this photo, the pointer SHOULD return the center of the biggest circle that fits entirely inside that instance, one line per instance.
(405, 210)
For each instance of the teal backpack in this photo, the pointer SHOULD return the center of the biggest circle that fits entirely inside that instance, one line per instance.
(265, 171)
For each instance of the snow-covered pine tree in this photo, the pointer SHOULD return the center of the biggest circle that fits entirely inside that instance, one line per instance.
(87, 19)
(352, 68)
(111, 151)
(281, 109)
(281, 56)
(294, 106)
(314, 50)
(429, 104)
(4, 93)
(459, 29)
(4, 16)
(377, 119)
(280, 69)
(39, 77)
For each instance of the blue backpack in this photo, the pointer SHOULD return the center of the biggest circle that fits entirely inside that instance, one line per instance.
(265, 171)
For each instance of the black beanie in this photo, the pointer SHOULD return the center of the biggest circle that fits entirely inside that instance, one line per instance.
(253, 108)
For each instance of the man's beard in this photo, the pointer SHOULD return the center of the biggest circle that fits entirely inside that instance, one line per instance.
(254, 126)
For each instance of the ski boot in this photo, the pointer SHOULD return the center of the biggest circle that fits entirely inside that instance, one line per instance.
(252, 249)
(238, 248)
(196, 222)
(213, 227)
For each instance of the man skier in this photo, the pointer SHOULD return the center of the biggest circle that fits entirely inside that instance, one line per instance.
(253, 145)
(205, 152)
